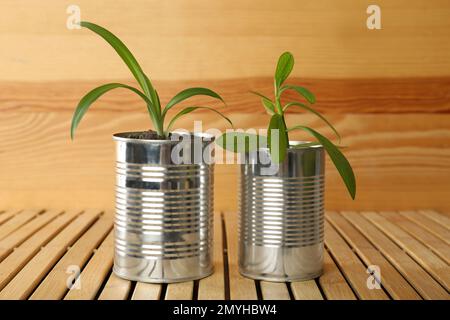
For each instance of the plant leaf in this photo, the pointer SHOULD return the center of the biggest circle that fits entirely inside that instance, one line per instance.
(96, 93)
(260, 95)
(268, 105)
(123, 52)
(134, 67)
(298, 104)
(340, 161)
(308, 95)
(187, 93)
(277, 123)
(189, 110)
(284, 68)
(242, 142)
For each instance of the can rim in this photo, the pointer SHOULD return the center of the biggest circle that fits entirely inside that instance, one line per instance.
(122, 136)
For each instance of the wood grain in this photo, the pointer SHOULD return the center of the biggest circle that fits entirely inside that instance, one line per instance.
(115, 288)
(386, 151)
(146, 291)
(219, 39)
(352, 268)
(21, 255)
(54, 286)
(332, 282)
(306, 290)
(426, 258)
(425, 285)
(386, 95)
(392, 280)
(31, 275)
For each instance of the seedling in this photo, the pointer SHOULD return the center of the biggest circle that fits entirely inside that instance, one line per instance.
(147, 92)
(278, 130)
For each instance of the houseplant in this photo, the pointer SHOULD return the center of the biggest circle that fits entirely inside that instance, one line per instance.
(282, 190)
(164, 203)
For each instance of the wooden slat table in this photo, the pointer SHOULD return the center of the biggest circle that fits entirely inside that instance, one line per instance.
(44, 252)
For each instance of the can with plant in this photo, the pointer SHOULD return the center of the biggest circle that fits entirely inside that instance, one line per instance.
(281, 207)
(164, 192)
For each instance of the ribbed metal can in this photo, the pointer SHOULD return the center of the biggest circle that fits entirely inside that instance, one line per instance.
(164, 208)
(281, 216)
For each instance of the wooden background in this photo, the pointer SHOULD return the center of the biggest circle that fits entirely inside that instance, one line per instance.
(387, 91)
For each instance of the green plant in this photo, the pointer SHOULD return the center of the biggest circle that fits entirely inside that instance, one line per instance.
(240, 141)
(148, 93)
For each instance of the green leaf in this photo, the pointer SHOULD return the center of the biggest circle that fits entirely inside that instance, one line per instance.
(298, 104)
(284, 68)
(268, 105)
(340, 161)
(187, 93)
(279, 153)
(96, 93)
(241, 142)
(308, 95)
(134, 67)
(189, 110)
(260, 95)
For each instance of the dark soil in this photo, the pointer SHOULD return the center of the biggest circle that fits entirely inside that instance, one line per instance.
(147, 135)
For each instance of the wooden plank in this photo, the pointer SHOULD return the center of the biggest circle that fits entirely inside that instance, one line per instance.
(353, 269)
(213, 287)
(22, 285)
(54, 286)
(384, 165)
(332, 282)
(95, 272)
(432, 226)
(241, 288)
(17, 221)
(343, 95)
(115, 288)
(180, 291)
(274, 291)
(442, 219)
(21, 255)
(425, 285)
(391, 279)
(14, 239)
(5, 216)
(427, 259)
(306, 290)
(437, 245)
(235, 32)
(146, 291)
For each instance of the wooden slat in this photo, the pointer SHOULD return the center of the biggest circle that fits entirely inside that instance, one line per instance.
(274, 291)
(180, 291)
(95, 272)
(427, 259)
(21, 255)
(213, 287)
(20, 235)
(22, 285)
(146, 291)
(355, 272)
(241, 288)
(115, 288)
(391, 279)
(6, 215)
(437, 245)
(332, 282)
(427, 287)
(306, 290)
(432, 226)
(442, 219)
(17, 221)
(54, 286)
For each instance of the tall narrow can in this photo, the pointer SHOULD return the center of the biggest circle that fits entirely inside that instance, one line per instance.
(281, 218)
(164, 208)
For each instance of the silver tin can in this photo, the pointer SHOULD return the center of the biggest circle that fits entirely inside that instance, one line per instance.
(164, 209)
(281, 218)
